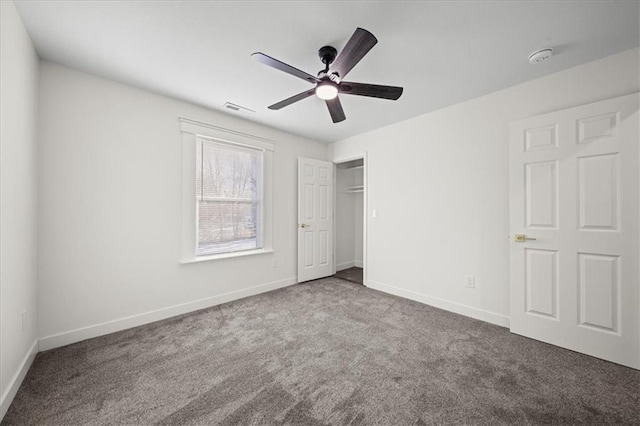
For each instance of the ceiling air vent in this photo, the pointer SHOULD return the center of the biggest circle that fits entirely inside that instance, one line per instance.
(237, 108)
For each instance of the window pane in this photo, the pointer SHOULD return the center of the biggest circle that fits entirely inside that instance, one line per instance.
(227, 172)
(226, 226)
(228, 198)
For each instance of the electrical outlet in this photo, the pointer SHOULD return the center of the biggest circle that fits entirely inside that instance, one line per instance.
(24, 320)
(470, 281)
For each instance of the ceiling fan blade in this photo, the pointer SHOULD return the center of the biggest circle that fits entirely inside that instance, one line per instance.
(335, 109)
(279, 65)
(358, 45)
(371, 90)
(294, 98)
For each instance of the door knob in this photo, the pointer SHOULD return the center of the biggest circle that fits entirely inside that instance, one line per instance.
(304, 225)
(521, 238)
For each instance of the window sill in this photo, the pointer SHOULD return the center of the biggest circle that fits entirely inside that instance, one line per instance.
(225, 256)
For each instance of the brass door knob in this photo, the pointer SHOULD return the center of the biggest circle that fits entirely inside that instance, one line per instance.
(521, 238)
(304, 225)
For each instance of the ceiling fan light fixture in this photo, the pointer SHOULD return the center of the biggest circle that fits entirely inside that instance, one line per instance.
(326, 90)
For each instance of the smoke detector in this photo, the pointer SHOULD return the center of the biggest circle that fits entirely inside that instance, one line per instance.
(540, 55)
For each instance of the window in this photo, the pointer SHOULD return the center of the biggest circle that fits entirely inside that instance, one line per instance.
(226, 185)
(228, 198)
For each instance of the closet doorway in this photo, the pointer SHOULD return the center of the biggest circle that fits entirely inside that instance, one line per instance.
(349, 226)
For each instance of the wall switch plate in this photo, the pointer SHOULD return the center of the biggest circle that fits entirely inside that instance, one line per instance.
(374, 213)
(274, 262)
(470, 281)
(24, 320)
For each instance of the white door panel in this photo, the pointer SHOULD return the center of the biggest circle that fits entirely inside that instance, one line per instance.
(315, 219)
(574, 190)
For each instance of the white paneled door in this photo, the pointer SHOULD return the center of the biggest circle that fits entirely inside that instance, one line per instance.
(315, 219)
(575, 229)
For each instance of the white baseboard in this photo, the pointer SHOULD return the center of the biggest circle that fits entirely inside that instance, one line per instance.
(73, 336)
(458, 308)
(345, 265)
(16, 381)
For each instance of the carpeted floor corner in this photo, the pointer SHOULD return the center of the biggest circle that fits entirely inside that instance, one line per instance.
(353, 274)
(323, 352)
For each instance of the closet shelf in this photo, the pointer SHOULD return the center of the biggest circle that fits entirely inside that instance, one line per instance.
(358, 188)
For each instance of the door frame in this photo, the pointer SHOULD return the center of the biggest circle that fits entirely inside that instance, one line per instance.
(365, 201)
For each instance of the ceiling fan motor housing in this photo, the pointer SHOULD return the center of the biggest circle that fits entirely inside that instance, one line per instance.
(327, 54)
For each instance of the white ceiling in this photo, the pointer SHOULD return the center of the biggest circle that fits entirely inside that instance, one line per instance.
(441, 52)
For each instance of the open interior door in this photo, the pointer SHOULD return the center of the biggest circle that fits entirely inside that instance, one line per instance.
(315, 219)
(575, 228)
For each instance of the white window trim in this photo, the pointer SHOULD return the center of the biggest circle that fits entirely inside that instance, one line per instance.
(191, 130)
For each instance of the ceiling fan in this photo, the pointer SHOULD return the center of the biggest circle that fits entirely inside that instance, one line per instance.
(329, 81)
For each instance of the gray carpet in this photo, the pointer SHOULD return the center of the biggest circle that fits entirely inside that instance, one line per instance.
(355, 275)
(323, 352)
